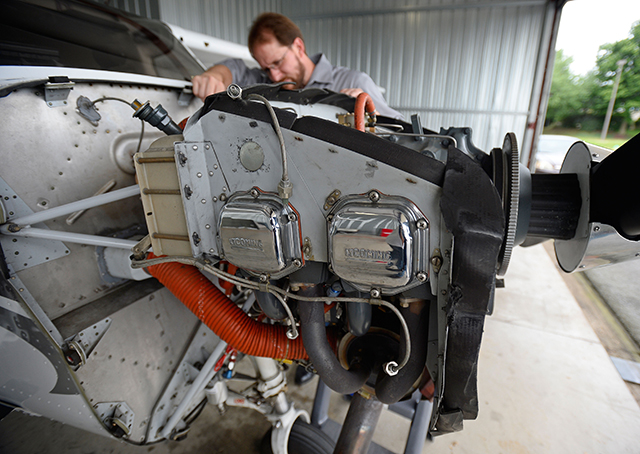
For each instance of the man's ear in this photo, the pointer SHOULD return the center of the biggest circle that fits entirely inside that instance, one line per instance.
(299, 46)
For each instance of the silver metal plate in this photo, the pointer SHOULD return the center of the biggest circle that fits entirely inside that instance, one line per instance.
(200, 177)
(378, 244)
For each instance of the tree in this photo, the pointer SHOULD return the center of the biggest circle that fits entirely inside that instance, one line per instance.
(628, 97)
(567, 92)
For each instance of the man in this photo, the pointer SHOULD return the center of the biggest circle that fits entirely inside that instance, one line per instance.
(276, 43)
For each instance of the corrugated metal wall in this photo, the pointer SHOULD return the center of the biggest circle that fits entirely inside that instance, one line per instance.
(224, 19)
(462, 63)
(455, 62)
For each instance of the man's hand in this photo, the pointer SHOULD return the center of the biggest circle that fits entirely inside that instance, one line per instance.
(214, 80)
(352, 91)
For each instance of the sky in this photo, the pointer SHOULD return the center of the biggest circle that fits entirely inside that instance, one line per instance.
(587, 24)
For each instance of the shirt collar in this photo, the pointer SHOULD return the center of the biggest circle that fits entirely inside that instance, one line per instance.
(322, 73)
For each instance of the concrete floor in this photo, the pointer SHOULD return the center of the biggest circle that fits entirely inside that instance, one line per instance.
(546, 385)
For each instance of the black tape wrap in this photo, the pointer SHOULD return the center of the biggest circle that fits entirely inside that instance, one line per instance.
(472, 212)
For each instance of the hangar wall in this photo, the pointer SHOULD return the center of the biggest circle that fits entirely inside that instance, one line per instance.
(480, 63)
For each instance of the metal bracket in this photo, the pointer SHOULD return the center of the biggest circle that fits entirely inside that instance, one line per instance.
(86, 340)
(57, 90)
(185, 97)
(117, 416)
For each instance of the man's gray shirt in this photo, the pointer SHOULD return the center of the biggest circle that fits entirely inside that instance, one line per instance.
(325, 75)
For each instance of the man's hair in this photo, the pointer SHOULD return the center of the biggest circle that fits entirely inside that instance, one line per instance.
(273, 24)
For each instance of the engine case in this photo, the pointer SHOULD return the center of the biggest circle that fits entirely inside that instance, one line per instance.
(381, 244)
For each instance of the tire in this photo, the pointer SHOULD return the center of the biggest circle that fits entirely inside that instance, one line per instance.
(304, 439)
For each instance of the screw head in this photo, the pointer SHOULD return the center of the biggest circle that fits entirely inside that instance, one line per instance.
(292, 217)
(375, 293)
(374, 196)
(254, 193)
(422, 224)
(421, 276)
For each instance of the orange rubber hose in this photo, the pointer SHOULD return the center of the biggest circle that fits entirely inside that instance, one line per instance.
(223, 317)
(363, 101)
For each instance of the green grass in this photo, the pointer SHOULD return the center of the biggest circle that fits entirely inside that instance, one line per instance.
(613, 140)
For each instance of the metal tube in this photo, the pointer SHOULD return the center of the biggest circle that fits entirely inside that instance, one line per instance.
(69, 237)
(72, 207)
(320, 411)
(106, 188)
(419, 428)
(205, 376)
(359, 426)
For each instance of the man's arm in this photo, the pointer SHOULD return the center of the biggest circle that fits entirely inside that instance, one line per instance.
(213, 80)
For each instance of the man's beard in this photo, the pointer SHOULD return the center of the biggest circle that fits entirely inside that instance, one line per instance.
(298, 78)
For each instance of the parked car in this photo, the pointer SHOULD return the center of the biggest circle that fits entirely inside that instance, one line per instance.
(551, 152)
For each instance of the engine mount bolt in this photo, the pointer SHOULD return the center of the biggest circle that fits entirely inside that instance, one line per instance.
(292, 217)
(374, 196)
(421, 276)
(422, 224)
(375, 293)
(254, 193)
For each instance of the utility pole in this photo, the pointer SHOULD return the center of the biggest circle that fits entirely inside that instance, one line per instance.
(612, 101)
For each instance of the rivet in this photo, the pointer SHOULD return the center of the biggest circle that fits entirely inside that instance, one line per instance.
(211, 173)
(203, 201)
(215, 199)
(199, 175)
(195, 147)
(215, 166)
(207, 226)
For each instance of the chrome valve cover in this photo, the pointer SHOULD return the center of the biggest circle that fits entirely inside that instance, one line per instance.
(258, 234)
(379, 242)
